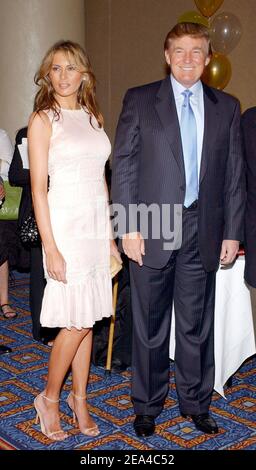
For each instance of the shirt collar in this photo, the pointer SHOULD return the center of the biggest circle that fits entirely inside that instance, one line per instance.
(196, 89)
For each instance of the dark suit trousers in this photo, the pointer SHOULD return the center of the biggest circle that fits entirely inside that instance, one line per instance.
(184, 281)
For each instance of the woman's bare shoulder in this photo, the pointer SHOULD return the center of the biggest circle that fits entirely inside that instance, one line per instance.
(39, 120)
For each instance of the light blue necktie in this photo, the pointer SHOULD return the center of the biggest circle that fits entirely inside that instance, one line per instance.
(189, 145)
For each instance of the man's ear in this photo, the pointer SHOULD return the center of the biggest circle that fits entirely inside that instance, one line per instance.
(207, 60)
(167, 58)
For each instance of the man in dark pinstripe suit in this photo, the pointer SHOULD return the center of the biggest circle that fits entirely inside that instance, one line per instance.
(151, 166)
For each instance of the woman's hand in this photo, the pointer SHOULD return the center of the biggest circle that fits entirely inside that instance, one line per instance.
(114, 251)
(56, 266)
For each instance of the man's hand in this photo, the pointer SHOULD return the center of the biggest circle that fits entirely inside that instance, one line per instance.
(229, 251)
(134, 246)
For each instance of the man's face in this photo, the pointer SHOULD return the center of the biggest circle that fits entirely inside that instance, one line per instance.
(187, 57)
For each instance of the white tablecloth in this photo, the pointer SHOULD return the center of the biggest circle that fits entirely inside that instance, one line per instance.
(234, 339)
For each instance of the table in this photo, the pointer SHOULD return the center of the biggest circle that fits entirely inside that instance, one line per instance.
(234, 339)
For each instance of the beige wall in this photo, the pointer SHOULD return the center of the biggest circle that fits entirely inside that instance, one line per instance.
(28, 29)
(124, 39)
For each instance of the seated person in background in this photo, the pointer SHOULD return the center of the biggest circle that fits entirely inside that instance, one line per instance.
(122, 347)
(8, 235)
(3, 349)
(19, 175)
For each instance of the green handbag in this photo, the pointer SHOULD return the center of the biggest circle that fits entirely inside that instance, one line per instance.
(10, 204)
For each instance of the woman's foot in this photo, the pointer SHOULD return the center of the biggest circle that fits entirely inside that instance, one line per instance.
(8, 311)
(48, 414)
(80, 413)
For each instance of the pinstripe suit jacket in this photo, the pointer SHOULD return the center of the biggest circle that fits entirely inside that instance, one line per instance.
(249, 138)
(148, 166)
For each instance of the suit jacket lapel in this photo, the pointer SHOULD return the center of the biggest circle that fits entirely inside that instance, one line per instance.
(210, 127)
(166, 109)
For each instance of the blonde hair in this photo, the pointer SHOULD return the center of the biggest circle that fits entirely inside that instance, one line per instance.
(45, 99)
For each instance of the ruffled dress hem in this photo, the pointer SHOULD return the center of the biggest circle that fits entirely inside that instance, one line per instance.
(77, 305)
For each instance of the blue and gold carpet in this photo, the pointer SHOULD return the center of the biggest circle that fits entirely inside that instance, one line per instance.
(23, 375)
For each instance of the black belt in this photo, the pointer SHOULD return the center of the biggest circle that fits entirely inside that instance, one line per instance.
(192, 207)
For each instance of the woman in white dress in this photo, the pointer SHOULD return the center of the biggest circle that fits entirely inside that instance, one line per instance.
(67, 143)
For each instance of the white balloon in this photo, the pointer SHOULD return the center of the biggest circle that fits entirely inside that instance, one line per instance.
(225, 32)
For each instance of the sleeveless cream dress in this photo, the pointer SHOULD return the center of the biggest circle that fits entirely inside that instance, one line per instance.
(80, 222)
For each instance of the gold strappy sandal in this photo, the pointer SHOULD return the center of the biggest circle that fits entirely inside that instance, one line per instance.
(93, 431)
(39, 417)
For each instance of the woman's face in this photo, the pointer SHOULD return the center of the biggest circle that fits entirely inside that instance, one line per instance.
(65, 76)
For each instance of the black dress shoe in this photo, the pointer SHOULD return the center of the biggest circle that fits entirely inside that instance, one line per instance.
(204, 423)
(5, 349)
(47, 341)
(144, 425)
(118, 366)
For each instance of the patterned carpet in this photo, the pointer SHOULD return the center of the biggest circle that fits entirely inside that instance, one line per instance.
(23, 373)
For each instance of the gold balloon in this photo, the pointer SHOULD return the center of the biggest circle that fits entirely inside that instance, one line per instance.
(208, 7)
(218, 72)
(193, 17)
